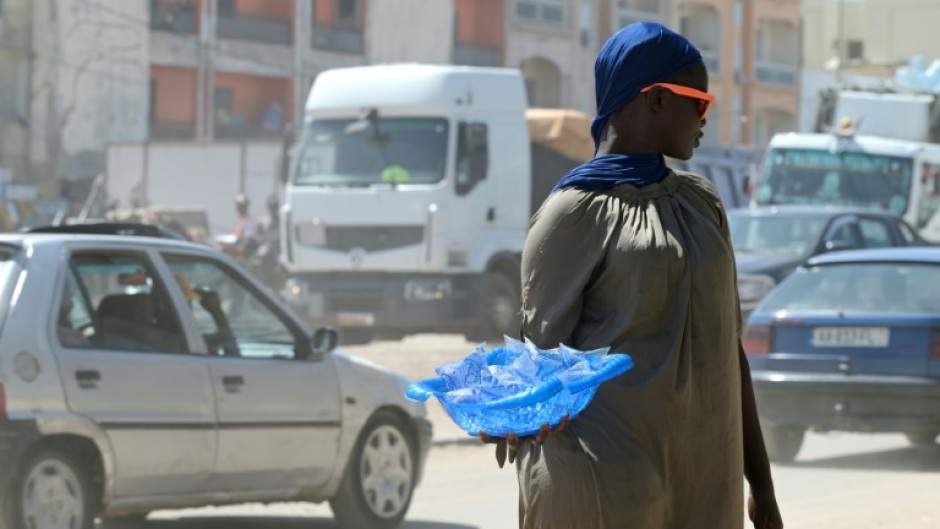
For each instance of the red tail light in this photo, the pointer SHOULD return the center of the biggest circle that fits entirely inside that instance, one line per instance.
(3, 403)
(757, 339)
(935, 344)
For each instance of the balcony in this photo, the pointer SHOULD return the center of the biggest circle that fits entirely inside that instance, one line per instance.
(267, 30)
(776, 73)
(476, 55)
(173, 17)
(332, 37)
(172, 130)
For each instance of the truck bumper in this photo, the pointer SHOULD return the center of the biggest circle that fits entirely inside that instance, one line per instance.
(405, 303)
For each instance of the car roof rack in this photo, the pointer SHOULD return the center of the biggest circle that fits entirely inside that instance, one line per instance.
(111, 228)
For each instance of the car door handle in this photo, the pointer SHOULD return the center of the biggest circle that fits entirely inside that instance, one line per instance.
(233, 384)
(88, 379)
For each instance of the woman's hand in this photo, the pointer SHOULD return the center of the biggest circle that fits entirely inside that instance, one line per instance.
(763, 511)
(512, 442)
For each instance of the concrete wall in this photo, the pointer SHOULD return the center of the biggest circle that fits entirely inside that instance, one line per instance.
(390, 39)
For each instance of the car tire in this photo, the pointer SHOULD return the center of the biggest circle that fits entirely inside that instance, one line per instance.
(920, 438)
(783, 442)
(380, 477)
(49, 487)
(500, 308)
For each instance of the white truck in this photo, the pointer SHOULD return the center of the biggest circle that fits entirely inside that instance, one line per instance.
(408, 197)
(874, 149)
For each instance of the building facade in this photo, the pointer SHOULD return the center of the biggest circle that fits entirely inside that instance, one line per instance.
(862, 42)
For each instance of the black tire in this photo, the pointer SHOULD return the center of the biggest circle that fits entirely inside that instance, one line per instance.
(357, 504)
(921, 438)
(500, 308)
(62, 483)
(783, 442)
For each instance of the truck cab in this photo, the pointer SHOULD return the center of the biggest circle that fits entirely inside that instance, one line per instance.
(407, 201)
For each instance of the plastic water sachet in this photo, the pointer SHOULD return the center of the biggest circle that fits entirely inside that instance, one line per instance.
(517, 387)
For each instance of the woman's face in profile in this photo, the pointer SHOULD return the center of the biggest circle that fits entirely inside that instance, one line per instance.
(682, 124)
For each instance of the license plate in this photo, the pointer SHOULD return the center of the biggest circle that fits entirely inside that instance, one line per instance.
(354, 319)
(851, 336)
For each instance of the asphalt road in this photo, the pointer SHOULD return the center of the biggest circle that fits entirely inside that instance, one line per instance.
(840, 481)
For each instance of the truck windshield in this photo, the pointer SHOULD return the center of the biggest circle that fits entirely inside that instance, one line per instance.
(808, 176)
(388, 151)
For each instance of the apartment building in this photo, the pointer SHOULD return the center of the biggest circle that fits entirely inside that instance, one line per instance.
(862, 42)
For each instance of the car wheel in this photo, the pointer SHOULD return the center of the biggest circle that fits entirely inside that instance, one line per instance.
(922, 438)
(52, 491)
(380, 477)
(500, 310)
(783, 442)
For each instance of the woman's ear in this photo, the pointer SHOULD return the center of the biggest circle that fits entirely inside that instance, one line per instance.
(656, 99)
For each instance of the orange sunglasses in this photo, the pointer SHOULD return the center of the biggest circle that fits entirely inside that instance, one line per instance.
(705, 99)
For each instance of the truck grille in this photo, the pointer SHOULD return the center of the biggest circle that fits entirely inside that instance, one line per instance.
(372, 238)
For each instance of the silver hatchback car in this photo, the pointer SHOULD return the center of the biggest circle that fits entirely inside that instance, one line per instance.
(139, 372)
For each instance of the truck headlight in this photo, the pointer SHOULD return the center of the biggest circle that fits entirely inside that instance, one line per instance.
(753, 288)
(427, 289)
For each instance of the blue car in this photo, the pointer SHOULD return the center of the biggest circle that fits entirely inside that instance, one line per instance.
(849, 342)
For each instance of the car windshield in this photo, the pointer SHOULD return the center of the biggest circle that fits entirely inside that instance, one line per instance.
(808, 176)
(774, 235)
(861, 287)
(375, 151)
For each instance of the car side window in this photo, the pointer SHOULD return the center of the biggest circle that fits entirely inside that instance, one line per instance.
(75, 325)
(844, 235)
(233, 318)
(127, 306)
(876, 233)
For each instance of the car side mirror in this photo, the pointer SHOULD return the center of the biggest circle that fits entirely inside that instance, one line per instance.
(324, 340)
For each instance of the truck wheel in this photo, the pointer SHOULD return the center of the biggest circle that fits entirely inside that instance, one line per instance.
(380, 476)
(501, 308)
(52, 491)
(783, 442)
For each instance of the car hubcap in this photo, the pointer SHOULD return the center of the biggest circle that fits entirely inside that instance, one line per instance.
(386, 471)
(52, 497)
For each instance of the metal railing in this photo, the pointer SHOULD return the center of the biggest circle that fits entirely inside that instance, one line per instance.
(333, 37)
(476, 55)
(775, 73)
(267, 30)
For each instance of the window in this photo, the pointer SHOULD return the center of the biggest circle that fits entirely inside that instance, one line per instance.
(348, 9)
(227, 8)
(844, 236)
(232, 317)
(875, 233)
(549, 12)
(855, 49)
(116, 301)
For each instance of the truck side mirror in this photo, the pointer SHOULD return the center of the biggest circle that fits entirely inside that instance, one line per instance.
(324, 340)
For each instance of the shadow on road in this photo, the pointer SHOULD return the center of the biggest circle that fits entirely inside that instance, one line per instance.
(272, 522)
(913, 459)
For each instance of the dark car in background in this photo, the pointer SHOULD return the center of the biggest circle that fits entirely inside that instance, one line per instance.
(770, 242)
(849, 342)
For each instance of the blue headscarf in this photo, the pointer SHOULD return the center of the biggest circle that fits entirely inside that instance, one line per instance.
(635, 57)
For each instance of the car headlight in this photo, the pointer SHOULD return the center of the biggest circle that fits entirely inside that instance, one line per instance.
(427, 289)
(753, 288)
